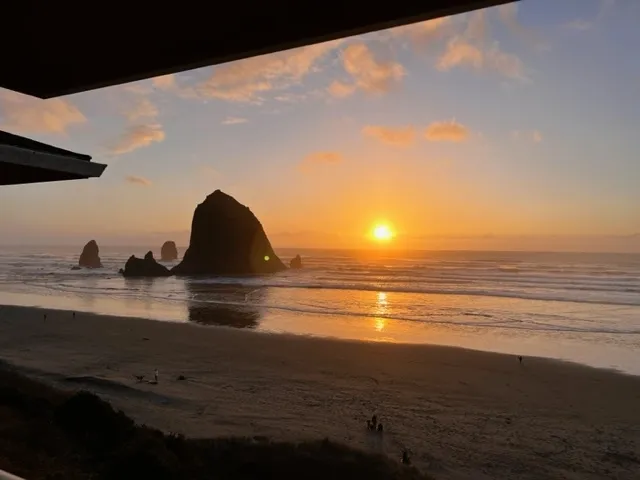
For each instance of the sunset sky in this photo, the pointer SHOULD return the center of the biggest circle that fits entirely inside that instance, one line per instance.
(507, 128)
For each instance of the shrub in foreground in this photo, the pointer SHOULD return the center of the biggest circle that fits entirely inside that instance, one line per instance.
(47, 434)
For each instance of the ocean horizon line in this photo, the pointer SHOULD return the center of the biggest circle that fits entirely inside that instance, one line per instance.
(380, 249)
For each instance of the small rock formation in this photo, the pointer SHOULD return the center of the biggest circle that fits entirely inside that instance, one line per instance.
(168, 252)
(296, 262)
(227, 239)
(90, 256)
(144, 267)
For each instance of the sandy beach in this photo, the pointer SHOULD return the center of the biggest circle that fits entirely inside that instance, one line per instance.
(464, 414)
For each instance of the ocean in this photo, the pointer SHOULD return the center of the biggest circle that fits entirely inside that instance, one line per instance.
(578, 307)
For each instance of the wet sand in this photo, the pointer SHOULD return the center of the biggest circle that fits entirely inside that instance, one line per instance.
(464, 414)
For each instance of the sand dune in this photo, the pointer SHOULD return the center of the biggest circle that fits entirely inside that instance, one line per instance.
(464, 414)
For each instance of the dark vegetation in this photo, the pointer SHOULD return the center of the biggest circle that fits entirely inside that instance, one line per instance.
(47, 434)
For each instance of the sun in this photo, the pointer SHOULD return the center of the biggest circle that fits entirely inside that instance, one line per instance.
(382, 232)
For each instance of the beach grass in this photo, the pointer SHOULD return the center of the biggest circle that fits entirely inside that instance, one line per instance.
(46, 433)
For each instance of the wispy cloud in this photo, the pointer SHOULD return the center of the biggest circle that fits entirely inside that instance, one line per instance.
(137, 88)
(142, 109)
(320, 158)
(165, 82)
(137, 136)
(508, 13)
(289, 97)
(209, 171)
(605, 7)
(248, 80)
(465, 41)
(461, 41)
(425, 33)
(446, 131)
(234, 121)
(340, 89)
(168, 83)
(25, 114)
(462, 53)
(394, 136)
(579, 25)
(405, 136)
(534, 136)
(138, 180)
(368, 66)
(369, 73)
(582, 25)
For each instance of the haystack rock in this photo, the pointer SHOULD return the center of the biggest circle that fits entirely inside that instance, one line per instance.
(144, 267)
(90, 256)
(169, 252)
(296, 262)
(227, 239)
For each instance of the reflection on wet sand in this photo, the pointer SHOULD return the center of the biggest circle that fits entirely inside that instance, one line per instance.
(140, 284)
(381, 310)
(224, 305)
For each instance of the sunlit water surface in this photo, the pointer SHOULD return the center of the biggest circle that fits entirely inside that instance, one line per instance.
(579, 307)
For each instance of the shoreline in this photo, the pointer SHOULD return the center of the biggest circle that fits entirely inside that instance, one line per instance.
(330, 338)
(465, 414)
(312, 338)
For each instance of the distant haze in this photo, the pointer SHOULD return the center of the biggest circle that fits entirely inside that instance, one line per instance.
(612, 244)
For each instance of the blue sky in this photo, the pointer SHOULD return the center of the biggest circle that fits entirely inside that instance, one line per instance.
(511, 127)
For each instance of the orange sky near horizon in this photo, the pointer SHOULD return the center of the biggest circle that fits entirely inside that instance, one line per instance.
(509, 128)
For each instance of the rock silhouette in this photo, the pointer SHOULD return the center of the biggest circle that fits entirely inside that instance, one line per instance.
(90, 256)
(169, 251)
(144, 267)
(296, 262)
(227, 239)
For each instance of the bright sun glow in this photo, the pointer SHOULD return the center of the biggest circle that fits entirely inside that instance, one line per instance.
(382, 232)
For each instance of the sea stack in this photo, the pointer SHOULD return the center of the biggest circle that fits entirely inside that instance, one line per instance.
(144, 267)
(296, 262)
(169, 252)
(227, 239)
(90, 256)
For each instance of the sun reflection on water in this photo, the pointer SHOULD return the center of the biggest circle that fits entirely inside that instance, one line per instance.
(381, 309)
